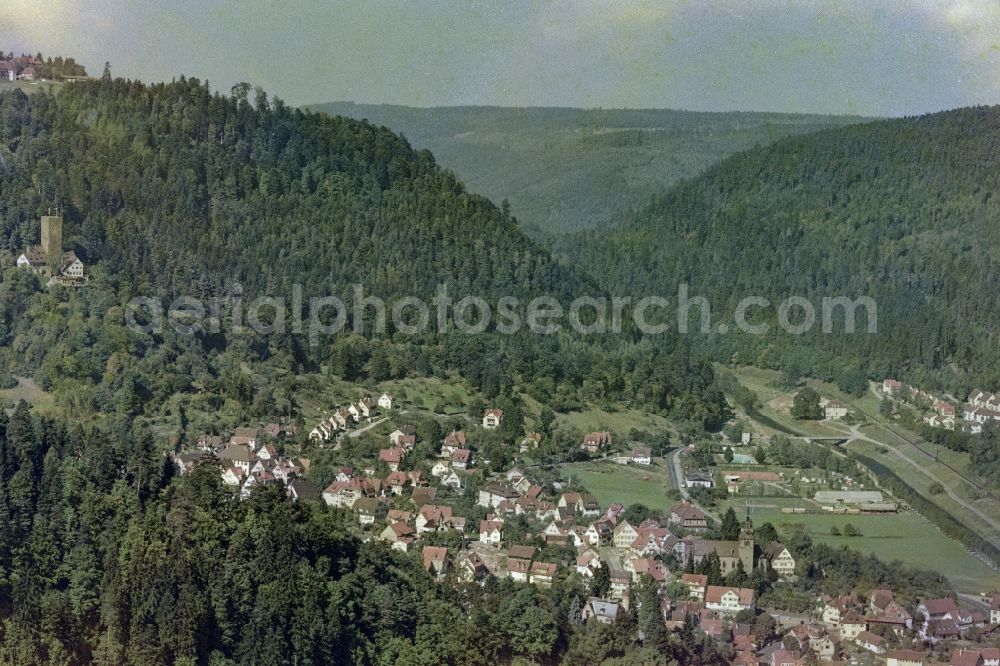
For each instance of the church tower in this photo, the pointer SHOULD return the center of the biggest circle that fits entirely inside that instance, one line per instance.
(746, 545)
(52, 235)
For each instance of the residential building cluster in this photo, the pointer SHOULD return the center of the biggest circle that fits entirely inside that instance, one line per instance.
(250, 458)
(343, 418)
(19, 68)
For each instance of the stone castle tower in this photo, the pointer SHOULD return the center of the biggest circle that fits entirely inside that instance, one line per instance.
(747, 549)
(52, 235)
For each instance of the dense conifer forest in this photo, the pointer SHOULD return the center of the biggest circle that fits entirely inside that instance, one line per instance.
(904, 211)
(172, 190)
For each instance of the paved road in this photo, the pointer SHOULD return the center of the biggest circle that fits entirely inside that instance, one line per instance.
(976, 601)
(678, 474)
(357, 433)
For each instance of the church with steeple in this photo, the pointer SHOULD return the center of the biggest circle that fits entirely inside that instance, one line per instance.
(731, 554)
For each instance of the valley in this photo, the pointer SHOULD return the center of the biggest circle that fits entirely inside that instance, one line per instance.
(333, 384)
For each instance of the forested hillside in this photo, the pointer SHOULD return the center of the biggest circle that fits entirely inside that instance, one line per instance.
(904, 211)
(170, 190)
(567, 169)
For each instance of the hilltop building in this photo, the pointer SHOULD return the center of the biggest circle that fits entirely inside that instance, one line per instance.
(48, 259)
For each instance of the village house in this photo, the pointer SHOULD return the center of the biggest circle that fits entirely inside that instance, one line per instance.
(904, 658)
(624, 535)
(647, 566)
(593, 442)
(342, 418)
(785, 658)
(980, 416)
(452, 442)
(699, 479)
(452, 480)
(386, 401)
(621, 581)
(939, 609)
(433, 518)
(302, 489)
(491, 532)
(209, 442)
(392, 457)
(688, 516)
(780, 559)
(493, 493)
(834, 410)
(238, 456)
(891, 387)
(248, 437)
(369, 511)
(852, 624)
(530, 442)
(985, 400)
(696, 585)
(835, 608)
(232, 475)
(492, 418)
(603, 611)
(435, 560)
(591, 507)
(995, 609)
(728, 600)
(471, 568)
(187, 460)
(400, 535)
(322, 432)
(944, 408)
(461, 458)
(587, 563)
(814, 637)
(641, 456)
(870, 642)
(518, 569)
(571, 501)
(599, 533)
(422, 496)
(542, 573)
(342, 494)
(938, 421)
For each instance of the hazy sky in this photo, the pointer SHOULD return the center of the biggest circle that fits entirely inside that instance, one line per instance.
(871, 57)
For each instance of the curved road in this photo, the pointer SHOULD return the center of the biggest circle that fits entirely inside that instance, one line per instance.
(678, 474)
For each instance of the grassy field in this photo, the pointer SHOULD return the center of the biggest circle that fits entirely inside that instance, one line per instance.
(776, 403)
(596, 419)
(443, 396)
(627, 484)
(29, 86)
(922, 483)
(906, 537)
(31, 393)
